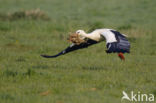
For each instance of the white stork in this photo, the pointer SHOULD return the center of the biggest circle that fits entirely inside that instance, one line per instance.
(115, 42)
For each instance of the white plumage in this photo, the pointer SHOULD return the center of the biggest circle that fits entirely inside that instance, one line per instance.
(99, 35)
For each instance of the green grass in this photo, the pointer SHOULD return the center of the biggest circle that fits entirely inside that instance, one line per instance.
(84, 76)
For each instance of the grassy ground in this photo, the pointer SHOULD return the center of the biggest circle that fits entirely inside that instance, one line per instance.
(83, 76)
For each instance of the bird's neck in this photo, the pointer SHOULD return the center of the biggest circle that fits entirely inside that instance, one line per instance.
(85, 34)
(91, 36)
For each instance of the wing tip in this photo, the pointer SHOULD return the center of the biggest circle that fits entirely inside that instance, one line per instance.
(45, 56)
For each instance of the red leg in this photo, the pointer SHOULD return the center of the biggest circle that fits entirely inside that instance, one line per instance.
(121, 56)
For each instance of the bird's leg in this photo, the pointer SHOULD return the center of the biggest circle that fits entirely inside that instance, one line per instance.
(121, 56)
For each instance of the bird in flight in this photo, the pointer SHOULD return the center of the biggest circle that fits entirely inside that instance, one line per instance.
(115, 42)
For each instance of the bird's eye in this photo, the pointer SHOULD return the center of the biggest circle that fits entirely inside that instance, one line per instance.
(78, 32)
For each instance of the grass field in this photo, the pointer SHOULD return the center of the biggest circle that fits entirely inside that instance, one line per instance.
(84, 76)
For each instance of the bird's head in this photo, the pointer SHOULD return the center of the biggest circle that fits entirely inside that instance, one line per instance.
(81, 33)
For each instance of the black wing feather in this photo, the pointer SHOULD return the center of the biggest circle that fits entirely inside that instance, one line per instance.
(73, 48)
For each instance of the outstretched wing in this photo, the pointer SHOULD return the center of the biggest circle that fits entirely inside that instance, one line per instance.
(73, 47)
